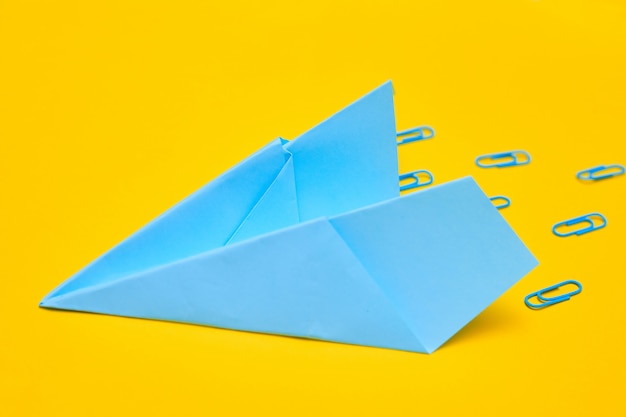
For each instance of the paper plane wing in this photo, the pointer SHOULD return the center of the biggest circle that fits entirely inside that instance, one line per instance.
(346, 162)
(405, 274)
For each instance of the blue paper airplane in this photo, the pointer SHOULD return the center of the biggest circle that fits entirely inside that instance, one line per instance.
(310, 238)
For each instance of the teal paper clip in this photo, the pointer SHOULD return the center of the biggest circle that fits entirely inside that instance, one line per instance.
(506, 201)
(600, 172)
(548, 301)
(415, 175)
(414, 134)
(503, 159)
(587, 218)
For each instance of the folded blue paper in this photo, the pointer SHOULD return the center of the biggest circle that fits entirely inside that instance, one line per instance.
(310, 238)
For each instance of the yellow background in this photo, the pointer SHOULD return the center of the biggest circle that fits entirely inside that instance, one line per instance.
(112, 111)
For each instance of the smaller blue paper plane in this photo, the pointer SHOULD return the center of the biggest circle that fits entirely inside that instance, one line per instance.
(310, 238)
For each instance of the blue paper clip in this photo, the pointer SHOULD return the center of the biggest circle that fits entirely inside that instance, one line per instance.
(507, 201)
(415, 175)
(587, 218)
(417, 133)
(600, 172)
(548, 301)
(510, 159)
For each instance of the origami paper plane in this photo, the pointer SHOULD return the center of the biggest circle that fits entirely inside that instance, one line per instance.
(310, 238)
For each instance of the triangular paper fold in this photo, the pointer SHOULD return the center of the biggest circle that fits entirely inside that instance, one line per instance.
(256, 196)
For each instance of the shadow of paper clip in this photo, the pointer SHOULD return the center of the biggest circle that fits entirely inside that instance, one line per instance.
(587, 218)
(600, 172)
(414, 134)
(503, 159)
(505, 201)
(416, 177)
(548, 301)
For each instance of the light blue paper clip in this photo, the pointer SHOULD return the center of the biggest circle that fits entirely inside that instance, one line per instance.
(600, 172)
(513, 161)
(548, 301)
(415, 175)
(507, 201)
(415, 134)
(587, 218)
